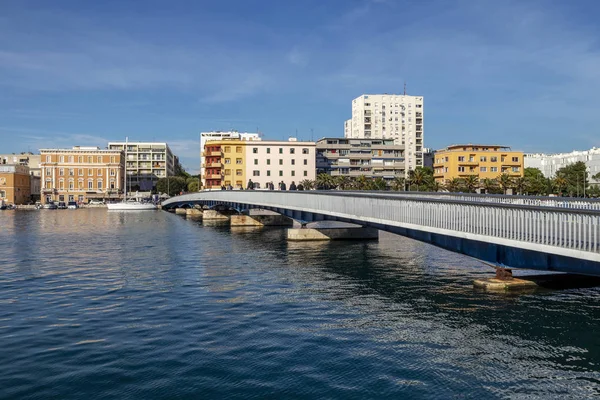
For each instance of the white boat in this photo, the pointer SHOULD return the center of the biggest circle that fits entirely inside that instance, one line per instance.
(131, 205)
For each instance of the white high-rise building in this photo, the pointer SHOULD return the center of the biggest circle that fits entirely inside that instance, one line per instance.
(220, 135)
(390, 116)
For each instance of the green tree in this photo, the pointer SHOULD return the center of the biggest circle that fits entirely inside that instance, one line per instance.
(379, 184)
(453, 185)
(419, 176)
(192, 186)
(308, 184)
(362, 183)
(324, 181)
(576, 177)
(490, 185)
(398, 183)
(471, 183)
(505, 181)
(342, 182)
(172, 185)
(535, 182)
(560, 183)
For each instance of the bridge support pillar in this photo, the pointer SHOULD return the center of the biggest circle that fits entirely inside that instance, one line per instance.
(213, 215)
(180, 211)
(193, 213)
(261, 220)
(312, 234)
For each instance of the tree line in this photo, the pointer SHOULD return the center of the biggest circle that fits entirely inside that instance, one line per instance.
(571, 180)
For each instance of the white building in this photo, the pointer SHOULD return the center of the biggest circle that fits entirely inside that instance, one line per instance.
(550, 163)
(220, 135)
(146, 163)
(390, 116)
(279, 161)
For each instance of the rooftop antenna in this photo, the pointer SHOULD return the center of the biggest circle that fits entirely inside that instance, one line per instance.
(405, 88)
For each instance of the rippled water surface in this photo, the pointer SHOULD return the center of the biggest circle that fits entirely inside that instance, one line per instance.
(95, 304)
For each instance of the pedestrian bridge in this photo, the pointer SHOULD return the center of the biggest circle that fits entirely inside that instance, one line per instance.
(552, 234)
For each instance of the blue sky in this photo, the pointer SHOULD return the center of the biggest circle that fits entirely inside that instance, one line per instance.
(518, 73)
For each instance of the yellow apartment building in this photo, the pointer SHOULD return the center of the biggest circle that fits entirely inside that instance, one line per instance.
(483, 161)
(224, 164)
(15, 184)
(81, 174)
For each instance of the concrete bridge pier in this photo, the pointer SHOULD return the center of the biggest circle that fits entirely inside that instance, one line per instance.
(257, 219)
(343, 233)
(181, 211)
(214, 215)
(194, 213)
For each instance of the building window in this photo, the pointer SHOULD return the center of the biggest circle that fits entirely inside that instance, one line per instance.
(461, 158)
(281, 150)
(90, 172)
(71, 185)
(99, 185)
(483, 169)
(227, 149)
(293, 173)
(280, 173)
(256, 161)
(112, 159)
(461, 169)
(238, 149)
(238, 160)
(48, 158)
(90, 185)
(268, 150)
(293, 162)
(61, 184)
(255, 173)
(71, 159)
(269, 173)
(80, 172)
(227, 172)
(48, 172)
(515, 169)
(483, 158)
(292, 150)
(112, 172)
(493, 169)
(305, 161)
(238, 172)
(305, 151)
(61, 172)
(280, 161)
(255, 150)
(71, 172)
(494, 159)
(80, 159)
(268, 161)
(90, 159)
(99, 172)
(305, 173)
(515, 159)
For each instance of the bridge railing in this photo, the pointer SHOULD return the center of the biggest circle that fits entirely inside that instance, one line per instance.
(537, 201)
(562, 227)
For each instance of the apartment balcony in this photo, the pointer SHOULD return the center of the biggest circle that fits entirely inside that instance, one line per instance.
(470, 163)
(507, 163)
(211, 154)
(438, 174)
(467, 173)
(158, 165)
(214, 164)
(211, 176)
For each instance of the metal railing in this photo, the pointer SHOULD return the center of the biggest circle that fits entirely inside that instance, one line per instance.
(550, 224)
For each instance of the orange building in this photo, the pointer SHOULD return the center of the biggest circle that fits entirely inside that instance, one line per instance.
(81, 174)
(212, 177)
(15, 184)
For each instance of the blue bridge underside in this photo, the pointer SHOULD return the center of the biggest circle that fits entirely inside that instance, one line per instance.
(497, 254)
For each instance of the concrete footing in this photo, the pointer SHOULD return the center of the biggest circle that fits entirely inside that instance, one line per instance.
(308, 234)
(213, 215)
(180, 211)
(261, 220)
(193, 213)
(532, 282)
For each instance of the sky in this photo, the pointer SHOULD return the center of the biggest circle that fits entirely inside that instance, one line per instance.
(525, 74)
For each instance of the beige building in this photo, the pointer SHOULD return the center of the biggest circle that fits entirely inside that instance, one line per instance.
(222, 135)
(482, 161)
(81, 174)
(390, 116)
(27, 159)
(372, 158)
(15, 184)
(146, 163)
(235, 162)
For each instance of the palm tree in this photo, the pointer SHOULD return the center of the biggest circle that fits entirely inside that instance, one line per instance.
(560, 183)
(520, 184)
(453, 185)
(342, 182)
(308, 184)
(324, 181)
(418, 177)
(489, 185)
(362, 183)
(398, 183)
(505, 181)
(434, 186)
(379, 184)
(471, 183)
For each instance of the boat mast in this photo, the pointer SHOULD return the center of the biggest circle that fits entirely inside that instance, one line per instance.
(126, 175)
